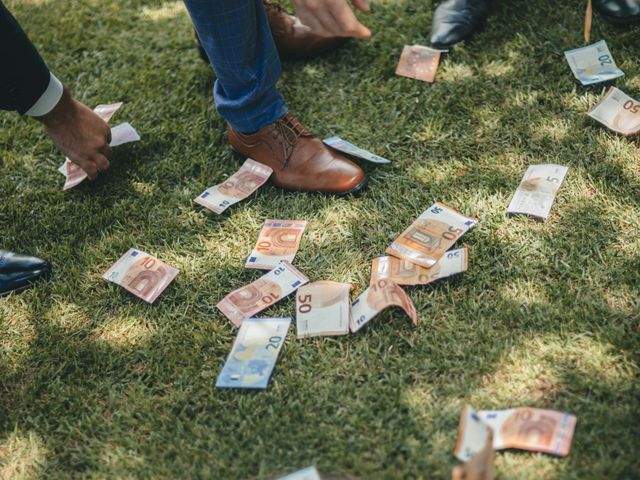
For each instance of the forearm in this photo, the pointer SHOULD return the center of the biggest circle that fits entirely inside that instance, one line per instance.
(26, 85)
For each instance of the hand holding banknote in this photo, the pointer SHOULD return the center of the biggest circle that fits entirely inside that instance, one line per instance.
(82, 135)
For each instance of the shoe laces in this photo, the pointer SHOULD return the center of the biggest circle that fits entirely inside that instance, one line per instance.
(287, 130)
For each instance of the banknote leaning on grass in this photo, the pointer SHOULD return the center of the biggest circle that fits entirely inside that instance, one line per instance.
(618, 112)
(431, 235)
(272, 287)
(537, 190)
(524, 428)
(403, 272)
(480, 466)
(309, 473)
(593, 63)
(120, 134)
(418, 62)
(381, 295)
(278, 240)
(322, 309)
(141, 274)
(254, 353)
(251, 176)
(350, 149)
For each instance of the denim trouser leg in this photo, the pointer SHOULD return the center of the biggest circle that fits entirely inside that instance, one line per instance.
(236, 36)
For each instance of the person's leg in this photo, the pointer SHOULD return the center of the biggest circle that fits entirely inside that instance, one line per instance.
(236, 37)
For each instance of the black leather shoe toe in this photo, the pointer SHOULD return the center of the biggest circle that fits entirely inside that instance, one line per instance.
(619, 11)
(17, 272)
(456, 20)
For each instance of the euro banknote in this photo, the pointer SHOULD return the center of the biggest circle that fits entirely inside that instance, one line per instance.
(618, 112)
(403, 272)
(141, 274)
(309, 473)
(349, 148)
(272, 287)
(254, 353)
(480, 466)
(524, 428)
(431, 235)
(418, 62)
(593, 63)
(251, 176)
(322, 309)
(377, 297)
(537, 190)
(278, 240)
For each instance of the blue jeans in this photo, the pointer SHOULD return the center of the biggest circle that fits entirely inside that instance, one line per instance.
(236, 36)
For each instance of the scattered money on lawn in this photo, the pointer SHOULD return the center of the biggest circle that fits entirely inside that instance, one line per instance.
(537, 190)
(272, 287)
(431, 235)
(618, 112)
(350, 149)
(376, 298)
(403, 272)
(309, 473)
(278, 240)
(523, 428)
(254, 353)
(322, 309)
(418, 62)
(251, 176)
(141, 274)
(593, 63)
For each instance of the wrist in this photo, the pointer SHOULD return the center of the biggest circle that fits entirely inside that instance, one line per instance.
(61, 112)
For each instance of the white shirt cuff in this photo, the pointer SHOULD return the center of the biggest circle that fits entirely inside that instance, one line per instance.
(48, 99)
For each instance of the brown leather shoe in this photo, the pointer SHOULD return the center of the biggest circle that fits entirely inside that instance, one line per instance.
(294, 40)
(299, 160)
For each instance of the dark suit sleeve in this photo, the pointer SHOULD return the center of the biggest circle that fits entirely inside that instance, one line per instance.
(24, 76)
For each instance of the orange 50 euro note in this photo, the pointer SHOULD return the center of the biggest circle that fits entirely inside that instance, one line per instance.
(431, 235)
(381, 295)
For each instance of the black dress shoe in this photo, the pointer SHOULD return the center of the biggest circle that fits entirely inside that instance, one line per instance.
(619, 11)
(457, 20)
(17, 272)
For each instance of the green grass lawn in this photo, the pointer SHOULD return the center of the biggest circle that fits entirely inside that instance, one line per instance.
(95, 383)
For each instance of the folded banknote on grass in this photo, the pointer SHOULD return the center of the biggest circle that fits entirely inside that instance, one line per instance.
(524, 428)
(350, 149)
(322, 309)
(403, 272)
(272, 287)
(120, 134)
(309, 473)
(618, 112)
(431, 235)
(593, 63)
(377, 297)
(254, 353)
(481, 466)
(141, 274)
(251, 176)
(419, 62)
(278, 240)
(537, 190)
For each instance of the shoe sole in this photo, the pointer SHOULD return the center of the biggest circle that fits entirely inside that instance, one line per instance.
(620, 21)
(17, 290)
